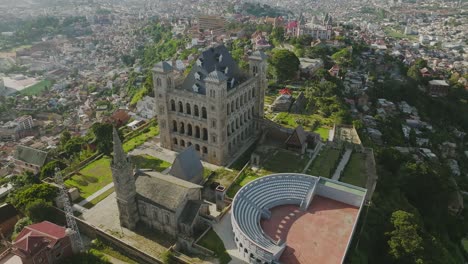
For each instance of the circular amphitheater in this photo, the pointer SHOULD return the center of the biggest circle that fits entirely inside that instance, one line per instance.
(253, 202)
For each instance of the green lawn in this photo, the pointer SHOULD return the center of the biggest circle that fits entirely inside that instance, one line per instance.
(149, 162)
(270, 97)
(37, 88)
(247, 177)
(325, 163)
(283, 161)
(224, 177)
(93, 177)
(307, 121)
(212, 242)
(355, 171)
(99, 198)
(323, 132)
(140, 139)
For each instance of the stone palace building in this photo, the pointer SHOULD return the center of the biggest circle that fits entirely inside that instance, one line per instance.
(215, 108)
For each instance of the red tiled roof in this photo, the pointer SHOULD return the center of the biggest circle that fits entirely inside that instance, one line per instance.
(45, 232)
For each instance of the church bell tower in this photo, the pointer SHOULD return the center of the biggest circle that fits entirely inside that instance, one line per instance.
(124, 184)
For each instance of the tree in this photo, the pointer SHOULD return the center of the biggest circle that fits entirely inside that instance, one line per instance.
(103, 136)
(414, 73)
(278, 34)
(64, 137)
(25, 179)
(284, 65)
(405, 241)
(39, 210)
(49, 169)
(22, 197)
(22, 223)
(73, 146)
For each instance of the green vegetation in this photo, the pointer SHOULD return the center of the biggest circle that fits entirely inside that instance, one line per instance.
(224, 177)
(212, 242)
(247, 176)
(283, 161)
(355, 171)
(37, 88)
(91, 256)
(99, 198)
(108, 250)
(465, 244)
(21, 198)
(92, 178)
(284, 65)
(325, 163)
(149, 162)
(140, 139)
(323, 132)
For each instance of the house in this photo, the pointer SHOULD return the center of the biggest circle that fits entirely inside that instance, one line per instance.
(120, 117)
(438, 88)
(297, 141)
(146, 107)
(335, 70)
(29, 159)
(135, 124)
(310, 66)
(43, 242)
(8, 218)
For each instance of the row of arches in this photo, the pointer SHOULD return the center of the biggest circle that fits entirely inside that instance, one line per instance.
(240, 101)
(240, 121)
(188, 109)
(252, 256)
(183, 144)
(190, 130)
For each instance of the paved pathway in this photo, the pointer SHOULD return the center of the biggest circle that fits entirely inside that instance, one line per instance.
(318, 148)
(342, 165)
(96, 194)
(224, 230)
(79, 208)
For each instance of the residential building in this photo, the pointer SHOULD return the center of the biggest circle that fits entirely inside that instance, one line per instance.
(29, 159)
(43, 242)
(438, 88)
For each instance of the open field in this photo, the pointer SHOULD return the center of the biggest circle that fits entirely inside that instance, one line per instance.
(355, 171)
(283, 161)
(92, 177)
(37, 88)
(325, 163)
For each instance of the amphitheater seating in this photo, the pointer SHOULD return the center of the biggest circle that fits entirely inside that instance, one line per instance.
(266, 193)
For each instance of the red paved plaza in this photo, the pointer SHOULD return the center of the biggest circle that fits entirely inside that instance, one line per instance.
(318, 236)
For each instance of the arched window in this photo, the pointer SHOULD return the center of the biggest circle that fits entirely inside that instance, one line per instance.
(228, 112)
(173, 105)
(232, 106)
(189, 144)
(195, 110)
(182, 143)
(169, 82)
(188, 110)
(237, 103)
(205, 150)
(254, 70)
(253, 93)
(229, 129)
(205, 134)
(203, 110)
(189, 129)
(158, 81)
(174, 126)
(197, 132)
(182, 128)
(175, 141)
(181, 107)
(197, 147)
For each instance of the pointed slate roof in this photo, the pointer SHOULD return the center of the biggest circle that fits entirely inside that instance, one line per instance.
(215, 58)
(163, 67)
(216, 76)
(187, 166)
(258, 55)
(298, 137)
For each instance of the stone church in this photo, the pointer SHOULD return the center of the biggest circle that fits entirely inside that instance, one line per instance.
(216, 107)
(171, 204)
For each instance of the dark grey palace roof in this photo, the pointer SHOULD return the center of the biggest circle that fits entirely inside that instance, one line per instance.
(213, 59)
